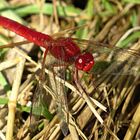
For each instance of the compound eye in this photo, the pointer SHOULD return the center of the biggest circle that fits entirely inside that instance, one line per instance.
(84, 62)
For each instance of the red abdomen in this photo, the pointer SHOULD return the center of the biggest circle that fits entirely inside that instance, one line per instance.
(31, 35)
(65, 49)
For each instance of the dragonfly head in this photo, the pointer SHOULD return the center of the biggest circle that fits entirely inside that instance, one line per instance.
(84, 62)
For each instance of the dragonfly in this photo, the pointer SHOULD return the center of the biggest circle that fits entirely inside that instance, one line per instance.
(62, 48)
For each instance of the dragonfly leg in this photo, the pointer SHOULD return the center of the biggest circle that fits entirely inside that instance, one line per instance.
(78, 84)
(43, 65)
(44, 57)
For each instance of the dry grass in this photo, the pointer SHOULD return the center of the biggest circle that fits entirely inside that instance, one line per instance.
(102, 104)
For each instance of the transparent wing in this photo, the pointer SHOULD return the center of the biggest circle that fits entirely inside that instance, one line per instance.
(39, 104)
(60, 96)
(95, 46)
(113, 57)
(36, 106)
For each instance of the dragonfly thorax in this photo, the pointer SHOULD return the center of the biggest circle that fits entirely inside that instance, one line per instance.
(64, 49)
(67, 50)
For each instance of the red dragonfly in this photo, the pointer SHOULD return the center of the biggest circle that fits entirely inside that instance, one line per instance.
(64, 49)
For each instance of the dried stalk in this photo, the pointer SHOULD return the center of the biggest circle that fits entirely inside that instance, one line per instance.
(135, 122)
(7, 64)
(13, 99)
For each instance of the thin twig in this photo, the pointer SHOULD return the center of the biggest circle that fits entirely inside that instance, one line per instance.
(8, 63)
